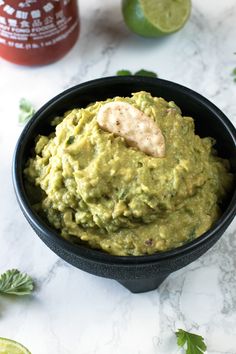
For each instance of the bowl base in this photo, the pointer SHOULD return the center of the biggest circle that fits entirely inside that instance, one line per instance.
(143, 285)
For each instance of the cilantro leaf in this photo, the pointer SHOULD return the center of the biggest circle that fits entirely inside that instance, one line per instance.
(70, 140)
(195, 343)
(146, 73)
(234, 74)
(26, 111)
(141, 72)
(123, 73)
(16, 283)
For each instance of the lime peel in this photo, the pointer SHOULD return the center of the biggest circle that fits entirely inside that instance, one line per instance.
(155, 18)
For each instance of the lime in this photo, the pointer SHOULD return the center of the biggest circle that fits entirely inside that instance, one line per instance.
(8, 346)
(155, 18)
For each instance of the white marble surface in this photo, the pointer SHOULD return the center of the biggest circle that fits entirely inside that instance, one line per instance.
(75, 312)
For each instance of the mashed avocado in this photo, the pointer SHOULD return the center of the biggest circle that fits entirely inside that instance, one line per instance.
(97, 189)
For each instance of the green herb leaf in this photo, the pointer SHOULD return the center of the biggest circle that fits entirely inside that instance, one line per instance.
(70, 140)
(122, 194)
(194, 343)
(234, 74)
(16, 283)
(26, 111)
(123, 73)
(144, 72)
(141, 72)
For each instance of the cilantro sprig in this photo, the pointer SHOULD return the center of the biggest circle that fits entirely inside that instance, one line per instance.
(13, 282)
(146, 73)
(141, 72)
(123, 72)
(26, 111)
(234, 74)
(193, 343)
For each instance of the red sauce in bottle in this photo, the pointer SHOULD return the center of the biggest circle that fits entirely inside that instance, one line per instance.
(36, 32)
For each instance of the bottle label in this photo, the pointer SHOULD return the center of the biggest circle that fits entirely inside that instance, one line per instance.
(33, 24)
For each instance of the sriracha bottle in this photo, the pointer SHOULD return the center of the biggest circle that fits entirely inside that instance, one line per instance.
(36, 32)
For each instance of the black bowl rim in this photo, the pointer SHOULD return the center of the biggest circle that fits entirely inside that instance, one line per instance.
(94, 255)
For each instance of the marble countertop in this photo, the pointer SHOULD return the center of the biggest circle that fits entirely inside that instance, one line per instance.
(75, 312)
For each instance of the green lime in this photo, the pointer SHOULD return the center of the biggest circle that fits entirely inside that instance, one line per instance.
(8, 346)
(155, 18)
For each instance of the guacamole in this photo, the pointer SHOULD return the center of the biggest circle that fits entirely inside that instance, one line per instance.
(98, 190)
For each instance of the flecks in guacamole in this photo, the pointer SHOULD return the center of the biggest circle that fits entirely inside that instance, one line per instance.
(97, 189)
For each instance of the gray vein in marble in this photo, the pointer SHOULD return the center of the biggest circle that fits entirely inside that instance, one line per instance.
(51, 273)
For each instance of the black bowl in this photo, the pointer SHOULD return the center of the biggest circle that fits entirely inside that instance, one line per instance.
(137, 273)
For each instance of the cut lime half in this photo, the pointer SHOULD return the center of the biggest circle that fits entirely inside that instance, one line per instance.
(155, 18)
(8, 346)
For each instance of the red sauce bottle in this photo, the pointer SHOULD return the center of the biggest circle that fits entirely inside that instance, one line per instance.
(36, 32)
